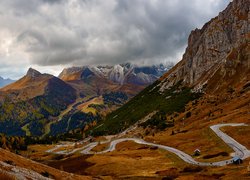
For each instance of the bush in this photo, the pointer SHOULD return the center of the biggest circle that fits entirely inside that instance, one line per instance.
(13, 143)
(192, 169)
(10, 162)
(188, 114)
(169, 174)
(215, 155)
(58, 157)
(45, 174)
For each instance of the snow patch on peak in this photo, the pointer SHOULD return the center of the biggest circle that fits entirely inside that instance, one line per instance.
(117, 74)
(121, 73)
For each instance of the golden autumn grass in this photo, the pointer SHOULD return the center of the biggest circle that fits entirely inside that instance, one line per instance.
(240, 134)
(100, 147)
(6, 176)
(19, 161)
(85, 107)
(128, 159)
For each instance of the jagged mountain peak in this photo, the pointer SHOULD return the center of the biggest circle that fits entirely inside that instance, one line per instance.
(32, 73)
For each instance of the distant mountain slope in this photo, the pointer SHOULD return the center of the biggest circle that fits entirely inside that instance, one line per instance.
(4, 82)
(31, 85)
(41, 104)
(121, 73)
(32, 101)
(216, 62)
(127, 78)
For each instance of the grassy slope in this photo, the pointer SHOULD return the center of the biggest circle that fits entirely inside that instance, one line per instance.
(149, 100)
(28, 116)
(19, 161)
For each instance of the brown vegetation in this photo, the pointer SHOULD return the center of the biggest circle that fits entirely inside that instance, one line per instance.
(34, 166)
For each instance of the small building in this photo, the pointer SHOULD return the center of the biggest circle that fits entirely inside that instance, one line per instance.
(197, 152)
(237, 160)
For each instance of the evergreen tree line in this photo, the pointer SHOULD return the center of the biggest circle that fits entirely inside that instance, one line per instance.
(13, 143)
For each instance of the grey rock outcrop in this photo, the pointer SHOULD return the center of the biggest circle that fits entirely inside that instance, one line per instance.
(221, 43)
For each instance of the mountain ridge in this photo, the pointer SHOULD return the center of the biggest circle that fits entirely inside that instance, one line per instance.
(120, 73)
(214, 67)
(40, 103)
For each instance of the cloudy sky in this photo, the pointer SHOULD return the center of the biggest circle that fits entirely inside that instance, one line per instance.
(52, 34)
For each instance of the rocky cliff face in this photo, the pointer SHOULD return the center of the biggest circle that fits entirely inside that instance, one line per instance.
(220, 50)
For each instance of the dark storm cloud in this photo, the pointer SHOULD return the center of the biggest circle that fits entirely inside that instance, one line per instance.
(165, 24)
(52, 1)
(57, 32)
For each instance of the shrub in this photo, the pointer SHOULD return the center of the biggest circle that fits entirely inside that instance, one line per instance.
(188, 114)
(193, 169)
(45, 174)
(9, 162)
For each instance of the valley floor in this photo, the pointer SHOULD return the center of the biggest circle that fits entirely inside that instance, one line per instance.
(129, 159)
(240, 150)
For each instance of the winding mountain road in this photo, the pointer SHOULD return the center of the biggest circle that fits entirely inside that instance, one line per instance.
(240, 150)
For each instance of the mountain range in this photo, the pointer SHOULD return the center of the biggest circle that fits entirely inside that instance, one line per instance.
(121, 73)
(4, 82)
(41, 104)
